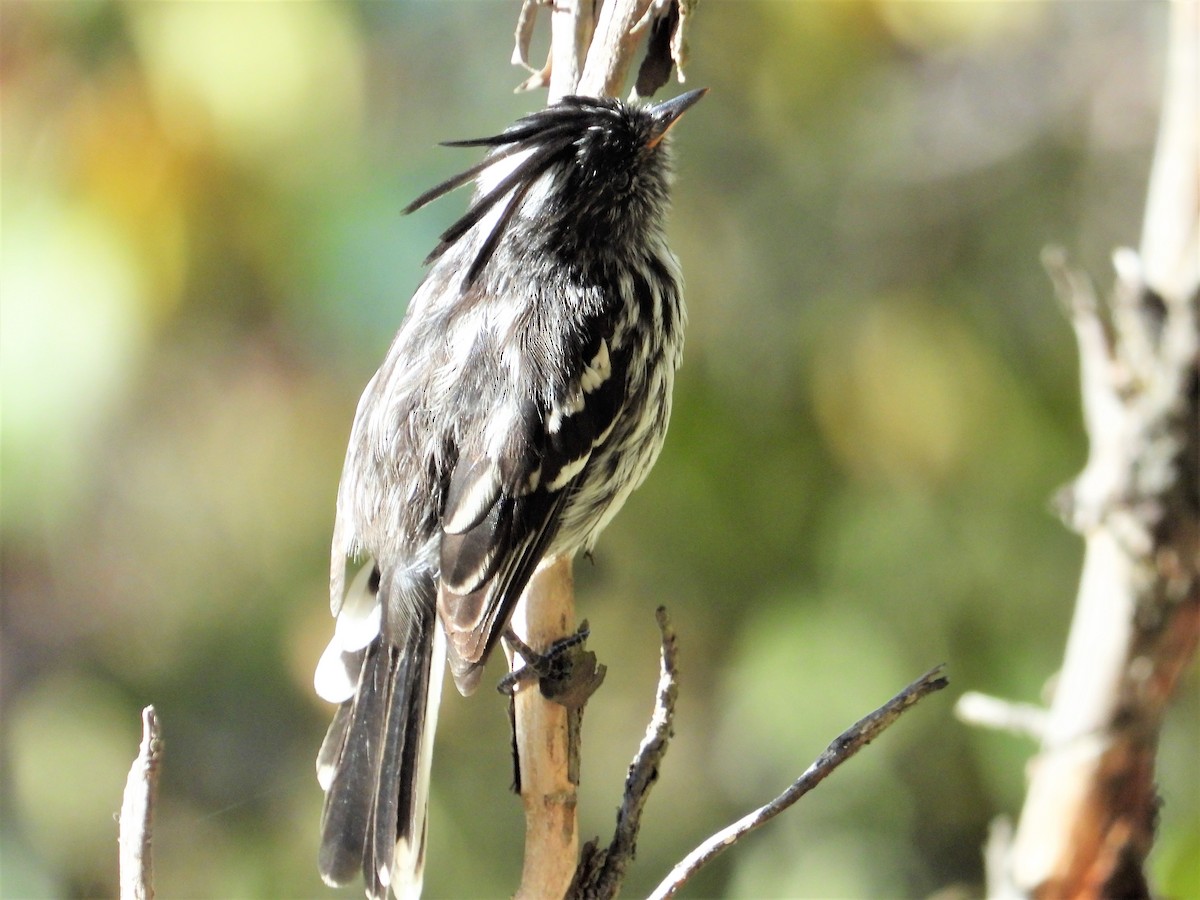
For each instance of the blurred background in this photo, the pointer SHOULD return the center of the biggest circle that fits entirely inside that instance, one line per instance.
(204, 260)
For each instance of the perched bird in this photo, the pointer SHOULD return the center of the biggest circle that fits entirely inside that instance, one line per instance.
(523, 399)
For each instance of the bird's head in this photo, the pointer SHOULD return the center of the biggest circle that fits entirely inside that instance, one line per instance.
(617, 156)
(586, 170)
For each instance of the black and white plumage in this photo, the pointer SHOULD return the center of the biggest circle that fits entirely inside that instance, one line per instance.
(523, 399)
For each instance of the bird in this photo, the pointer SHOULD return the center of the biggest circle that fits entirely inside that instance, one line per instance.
(525, 395)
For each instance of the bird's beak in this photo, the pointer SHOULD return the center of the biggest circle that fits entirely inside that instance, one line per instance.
(667, 113)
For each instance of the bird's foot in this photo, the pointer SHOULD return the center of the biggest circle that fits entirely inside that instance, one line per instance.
(564, 672)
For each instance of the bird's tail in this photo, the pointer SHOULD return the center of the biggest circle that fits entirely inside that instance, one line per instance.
(374, 763)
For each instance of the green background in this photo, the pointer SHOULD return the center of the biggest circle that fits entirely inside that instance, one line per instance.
(204, 260)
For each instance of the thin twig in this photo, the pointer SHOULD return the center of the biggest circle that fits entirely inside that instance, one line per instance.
(847, 744)
(643, 772)
(137, 814)
(600, 873)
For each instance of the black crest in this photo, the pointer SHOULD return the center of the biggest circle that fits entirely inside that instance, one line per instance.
(604, 137)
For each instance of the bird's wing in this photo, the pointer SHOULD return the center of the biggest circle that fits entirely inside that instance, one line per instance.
(506, 496)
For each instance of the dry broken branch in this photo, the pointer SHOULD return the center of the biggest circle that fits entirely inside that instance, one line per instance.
(594, 42)
(1090, 813)
(137, 814)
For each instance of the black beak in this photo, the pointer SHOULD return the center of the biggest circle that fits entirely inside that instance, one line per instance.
(667, 113)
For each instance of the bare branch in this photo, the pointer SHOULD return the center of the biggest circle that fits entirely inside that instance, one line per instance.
(593, 44)
(571, 26)
(137, 814)
(601, 871)
(1170, 245)
(546, 735)
(613, 47)
(643, 772)
(847, 744)
(1089, 816)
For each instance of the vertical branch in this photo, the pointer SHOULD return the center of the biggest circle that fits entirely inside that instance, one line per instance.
(1170, 247)
(612, 50)
(546, 742)
(571, 25)
(136, 860)
(1089, 816)
(589, 55)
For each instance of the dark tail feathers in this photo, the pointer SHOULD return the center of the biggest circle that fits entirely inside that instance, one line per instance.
(379, 749)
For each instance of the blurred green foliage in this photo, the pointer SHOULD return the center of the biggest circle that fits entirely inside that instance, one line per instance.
(203, 261)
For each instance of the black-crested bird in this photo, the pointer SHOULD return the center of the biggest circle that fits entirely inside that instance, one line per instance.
(523, 399)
